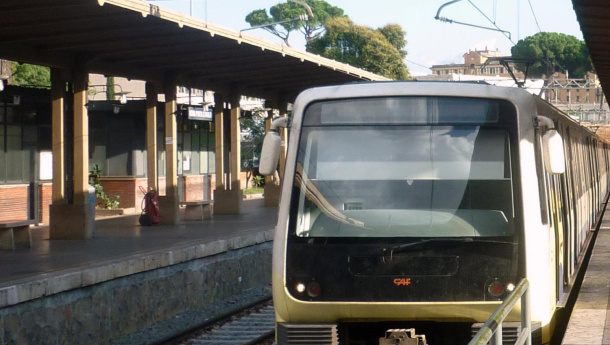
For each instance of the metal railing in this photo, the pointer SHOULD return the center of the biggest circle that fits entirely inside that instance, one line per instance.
(492, 329)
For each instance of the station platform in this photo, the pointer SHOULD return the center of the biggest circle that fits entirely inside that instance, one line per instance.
(129, 277)
(121, 237)
(590, 319)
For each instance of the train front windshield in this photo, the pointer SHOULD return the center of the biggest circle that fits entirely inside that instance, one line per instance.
(419, 167)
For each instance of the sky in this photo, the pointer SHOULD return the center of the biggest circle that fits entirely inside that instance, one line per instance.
(429, 41)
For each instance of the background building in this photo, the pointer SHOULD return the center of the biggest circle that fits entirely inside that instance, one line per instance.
(581, 98)
(480, 63)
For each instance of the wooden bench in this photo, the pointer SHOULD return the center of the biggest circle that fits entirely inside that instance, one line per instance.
(16, 234)
(197, 210)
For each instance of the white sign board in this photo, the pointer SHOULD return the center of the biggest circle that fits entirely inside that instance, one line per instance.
(198, 113)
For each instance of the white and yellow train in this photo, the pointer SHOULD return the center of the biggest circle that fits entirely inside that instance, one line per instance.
(422, 204)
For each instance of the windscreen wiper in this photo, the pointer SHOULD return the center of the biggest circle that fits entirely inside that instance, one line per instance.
(403, 247)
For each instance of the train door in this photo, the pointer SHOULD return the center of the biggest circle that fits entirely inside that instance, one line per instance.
(557, 215)
(569, 261)
(603, 170)
(581, 201)
(594, 181)
(606, 148)
(554, 200)
(589, 187)
(603, 164)
(555, 191)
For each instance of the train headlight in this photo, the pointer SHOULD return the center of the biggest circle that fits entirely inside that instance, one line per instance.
(510, 287)
(300, 287)
(495, 288)
(314, 289)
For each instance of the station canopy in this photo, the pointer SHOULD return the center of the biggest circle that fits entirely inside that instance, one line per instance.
(138, 40)
(594, 19)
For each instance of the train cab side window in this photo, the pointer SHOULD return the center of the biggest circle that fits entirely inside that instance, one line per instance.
(542, 177)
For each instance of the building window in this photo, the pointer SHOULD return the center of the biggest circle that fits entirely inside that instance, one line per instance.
(492, 70)
(501, 70)
(19, 142)
(483, 71)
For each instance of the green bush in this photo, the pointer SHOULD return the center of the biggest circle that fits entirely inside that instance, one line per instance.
(258, 181)
(255, 190)
(110, 203)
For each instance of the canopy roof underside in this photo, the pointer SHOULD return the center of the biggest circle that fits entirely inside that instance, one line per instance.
(138, 40)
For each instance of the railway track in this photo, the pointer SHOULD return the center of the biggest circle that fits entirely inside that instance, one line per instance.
(253, 325)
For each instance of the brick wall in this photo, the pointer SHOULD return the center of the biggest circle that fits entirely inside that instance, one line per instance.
(242, 180)
(212, 185)
(13, 198)
(162, 184)
(13, 203)
(193, 188)
(46, 199)
(124, 188)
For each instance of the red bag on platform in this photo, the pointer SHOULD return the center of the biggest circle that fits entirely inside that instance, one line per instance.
(150, 209)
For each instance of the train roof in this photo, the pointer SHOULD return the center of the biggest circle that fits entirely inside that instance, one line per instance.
(415, 88)
(474, 89)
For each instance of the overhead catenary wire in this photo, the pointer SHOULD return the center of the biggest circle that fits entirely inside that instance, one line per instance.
(447, 20)
(534, 14)
(417, 64)
(504, 32)
(551, 64)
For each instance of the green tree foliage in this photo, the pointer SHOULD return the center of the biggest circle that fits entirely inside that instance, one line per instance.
(30, 75)
(110, 88)
(561, 50)
(379, 51)
(396, 36)
(287, 11)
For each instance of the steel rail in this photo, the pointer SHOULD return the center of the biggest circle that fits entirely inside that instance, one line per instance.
(183, 334)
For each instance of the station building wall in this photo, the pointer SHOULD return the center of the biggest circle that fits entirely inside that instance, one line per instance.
(117, 147)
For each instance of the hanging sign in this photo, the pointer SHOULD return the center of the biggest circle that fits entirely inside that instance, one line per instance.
(198, 113)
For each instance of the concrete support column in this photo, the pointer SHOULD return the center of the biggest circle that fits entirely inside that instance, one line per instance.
(235, 145)
(168, 204)
(272, 183)
(229, 200)
(77, 220)
(58, 93)
(151, 136)
(219, 140)
(81, 138)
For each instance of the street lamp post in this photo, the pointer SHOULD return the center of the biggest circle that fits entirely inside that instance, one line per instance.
(307, 8)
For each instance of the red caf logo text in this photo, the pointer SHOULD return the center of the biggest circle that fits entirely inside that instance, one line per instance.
(402, 281)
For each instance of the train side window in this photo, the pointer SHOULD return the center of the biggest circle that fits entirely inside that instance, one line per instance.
(540, 171)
